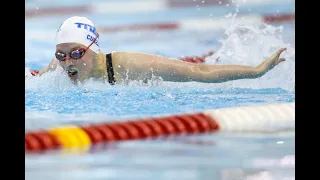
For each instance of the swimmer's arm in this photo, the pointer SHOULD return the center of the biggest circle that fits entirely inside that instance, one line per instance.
(180, 71)
(196, 59)
(52, 66)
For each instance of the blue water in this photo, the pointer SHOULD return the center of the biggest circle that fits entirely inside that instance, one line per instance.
(52, 100)
(139, 100)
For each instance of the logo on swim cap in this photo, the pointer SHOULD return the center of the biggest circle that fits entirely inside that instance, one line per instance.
(86, 27)
(78, 30)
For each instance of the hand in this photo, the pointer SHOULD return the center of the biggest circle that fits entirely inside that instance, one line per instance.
(272, 61)
(34, 72)
(276, 56)
(197, 59)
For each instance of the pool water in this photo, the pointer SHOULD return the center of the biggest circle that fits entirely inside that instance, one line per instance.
(51, 100)
(206, 156)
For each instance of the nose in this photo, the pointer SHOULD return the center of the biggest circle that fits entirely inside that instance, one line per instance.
(69, 61)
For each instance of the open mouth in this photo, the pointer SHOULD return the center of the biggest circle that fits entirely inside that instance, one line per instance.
(71, 71)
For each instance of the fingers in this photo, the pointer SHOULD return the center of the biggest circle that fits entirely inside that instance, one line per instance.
(276, 55)
(280, 60)
(34, 72)
(280, 51)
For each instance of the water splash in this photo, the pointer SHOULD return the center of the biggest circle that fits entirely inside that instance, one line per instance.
(54, 80)
(249, 45)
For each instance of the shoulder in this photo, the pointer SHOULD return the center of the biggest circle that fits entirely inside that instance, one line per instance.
(116, 54)
(112, 52)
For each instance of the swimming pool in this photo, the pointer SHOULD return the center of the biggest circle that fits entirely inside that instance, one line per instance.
(53, 101)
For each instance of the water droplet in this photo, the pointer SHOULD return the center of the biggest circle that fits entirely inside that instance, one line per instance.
(229, 53)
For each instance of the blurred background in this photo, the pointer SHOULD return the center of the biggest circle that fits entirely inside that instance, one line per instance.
(150, 25)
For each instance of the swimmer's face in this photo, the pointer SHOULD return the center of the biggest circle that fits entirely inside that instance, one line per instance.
(77, 69)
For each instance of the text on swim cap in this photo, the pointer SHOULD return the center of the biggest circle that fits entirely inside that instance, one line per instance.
(85, 26)
(90, 38)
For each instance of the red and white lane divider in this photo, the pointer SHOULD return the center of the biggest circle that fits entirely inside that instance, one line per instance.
(139, 6)
(192, 24)
(262, 118)
(110, 7)
(202, 24)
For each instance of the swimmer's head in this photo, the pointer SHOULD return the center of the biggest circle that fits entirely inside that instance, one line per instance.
(79, 30)
(77, 47)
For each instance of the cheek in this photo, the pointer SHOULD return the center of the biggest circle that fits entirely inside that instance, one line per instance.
(62, 63)
(87, 61)
(84, 65)
(88, 65)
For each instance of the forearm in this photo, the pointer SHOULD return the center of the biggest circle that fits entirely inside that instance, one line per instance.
(222, 73)
(52, 66)
(43, 70)
(212, 73)
(234, 72)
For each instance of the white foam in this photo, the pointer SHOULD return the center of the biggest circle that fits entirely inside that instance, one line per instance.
(249, 45)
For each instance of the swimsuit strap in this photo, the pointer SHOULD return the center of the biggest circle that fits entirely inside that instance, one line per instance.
(110, 71)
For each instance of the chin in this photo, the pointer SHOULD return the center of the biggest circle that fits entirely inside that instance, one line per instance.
(79, 77)
(74, 78)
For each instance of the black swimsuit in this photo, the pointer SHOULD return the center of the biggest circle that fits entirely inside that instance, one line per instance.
(110, 71)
